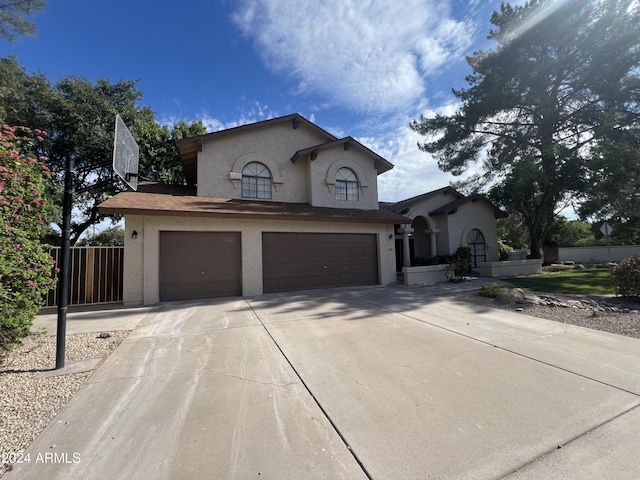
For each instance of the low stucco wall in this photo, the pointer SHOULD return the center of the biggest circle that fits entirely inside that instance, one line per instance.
(436, 273)
(424, 275)
(510, 268)
(597, 254)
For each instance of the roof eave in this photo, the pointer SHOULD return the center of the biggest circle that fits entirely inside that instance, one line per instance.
(381, 164)
(252, 216)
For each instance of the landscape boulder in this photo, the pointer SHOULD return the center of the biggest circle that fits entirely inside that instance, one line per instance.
(515, 295)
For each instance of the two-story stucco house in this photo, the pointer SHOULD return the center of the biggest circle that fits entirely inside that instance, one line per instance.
(273, 206)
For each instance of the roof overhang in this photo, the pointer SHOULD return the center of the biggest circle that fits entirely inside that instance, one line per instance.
(381, 164)
(186, 205)
(452, 207)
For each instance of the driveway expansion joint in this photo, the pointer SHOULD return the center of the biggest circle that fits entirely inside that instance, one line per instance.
(567, 443)
(314, 398)
(504, 349)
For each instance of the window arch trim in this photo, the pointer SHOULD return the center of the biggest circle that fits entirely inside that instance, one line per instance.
(235, 175)
(337, 165)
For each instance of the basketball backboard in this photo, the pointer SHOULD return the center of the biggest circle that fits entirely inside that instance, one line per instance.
(125, 154)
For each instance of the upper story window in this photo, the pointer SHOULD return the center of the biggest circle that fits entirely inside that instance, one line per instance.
(346, 185)
(256, 181)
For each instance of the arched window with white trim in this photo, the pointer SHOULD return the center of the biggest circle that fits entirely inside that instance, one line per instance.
(256, 181)
(346, 185)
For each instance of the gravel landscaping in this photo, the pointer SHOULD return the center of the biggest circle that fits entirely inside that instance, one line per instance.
(608, 314)
(29, 400)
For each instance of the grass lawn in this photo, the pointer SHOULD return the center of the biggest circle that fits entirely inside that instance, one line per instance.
(595, 281)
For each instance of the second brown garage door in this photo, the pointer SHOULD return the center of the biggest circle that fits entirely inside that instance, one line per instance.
(200, 265)
(296, 261)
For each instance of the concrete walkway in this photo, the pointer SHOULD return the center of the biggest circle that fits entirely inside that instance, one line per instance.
(364, 383)
(90, 319)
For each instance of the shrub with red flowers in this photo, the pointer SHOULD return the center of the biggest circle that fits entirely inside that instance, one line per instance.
(25, 264)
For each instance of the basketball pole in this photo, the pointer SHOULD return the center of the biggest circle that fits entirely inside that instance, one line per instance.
(65, 250)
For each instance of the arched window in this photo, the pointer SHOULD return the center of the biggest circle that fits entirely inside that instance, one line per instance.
(346, 185)
(256, 181)
(475, 242)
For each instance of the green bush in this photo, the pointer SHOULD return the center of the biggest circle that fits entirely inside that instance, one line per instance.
(437, 260)
(491, 290)
(25, 265)
(424, 261)
(462, 258)
(626, 277)
(459, 265)
(503, 251)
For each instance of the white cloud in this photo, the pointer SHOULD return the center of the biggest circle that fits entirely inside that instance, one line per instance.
(252, 113)
(415, 172)
(370, 56)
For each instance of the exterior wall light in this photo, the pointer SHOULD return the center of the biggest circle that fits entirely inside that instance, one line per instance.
(134, 234)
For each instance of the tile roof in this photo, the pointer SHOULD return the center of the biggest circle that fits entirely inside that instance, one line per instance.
(159, 199)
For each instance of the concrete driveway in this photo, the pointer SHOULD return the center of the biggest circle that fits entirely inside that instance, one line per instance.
(366, 383)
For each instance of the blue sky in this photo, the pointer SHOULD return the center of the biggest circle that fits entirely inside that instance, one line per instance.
(364, 68)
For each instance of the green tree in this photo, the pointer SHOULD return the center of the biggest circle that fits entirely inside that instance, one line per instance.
(110, 236)
(80, 116)
(535, 105)
(159, 161)
(25, 99)
(512, 232)
(613, 185)
(573, 233)
(13, 17)
(25, 265)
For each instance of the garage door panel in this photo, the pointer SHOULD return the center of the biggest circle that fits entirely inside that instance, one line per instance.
(295, 261)
(200, 265)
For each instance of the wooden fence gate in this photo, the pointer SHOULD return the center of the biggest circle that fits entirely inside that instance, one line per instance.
(96, 276)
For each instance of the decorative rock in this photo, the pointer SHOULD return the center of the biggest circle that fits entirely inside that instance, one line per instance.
(505, 297)
(514, 295)
(519, 293)
(531, 299)
(579, 266)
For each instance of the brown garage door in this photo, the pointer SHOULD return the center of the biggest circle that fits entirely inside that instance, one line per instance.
(295, 261)
(200, 265)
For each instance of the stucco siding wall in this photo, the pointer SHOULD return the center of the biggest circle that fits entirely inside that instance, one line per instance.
(439, 222)
(133, 293)
(327, 163)
(468, 217)
(273, 145)
(597, 254)
(142, 268)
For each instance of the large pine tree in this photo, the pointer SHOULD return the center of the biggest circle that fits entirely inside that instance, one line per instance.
(565, 74)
